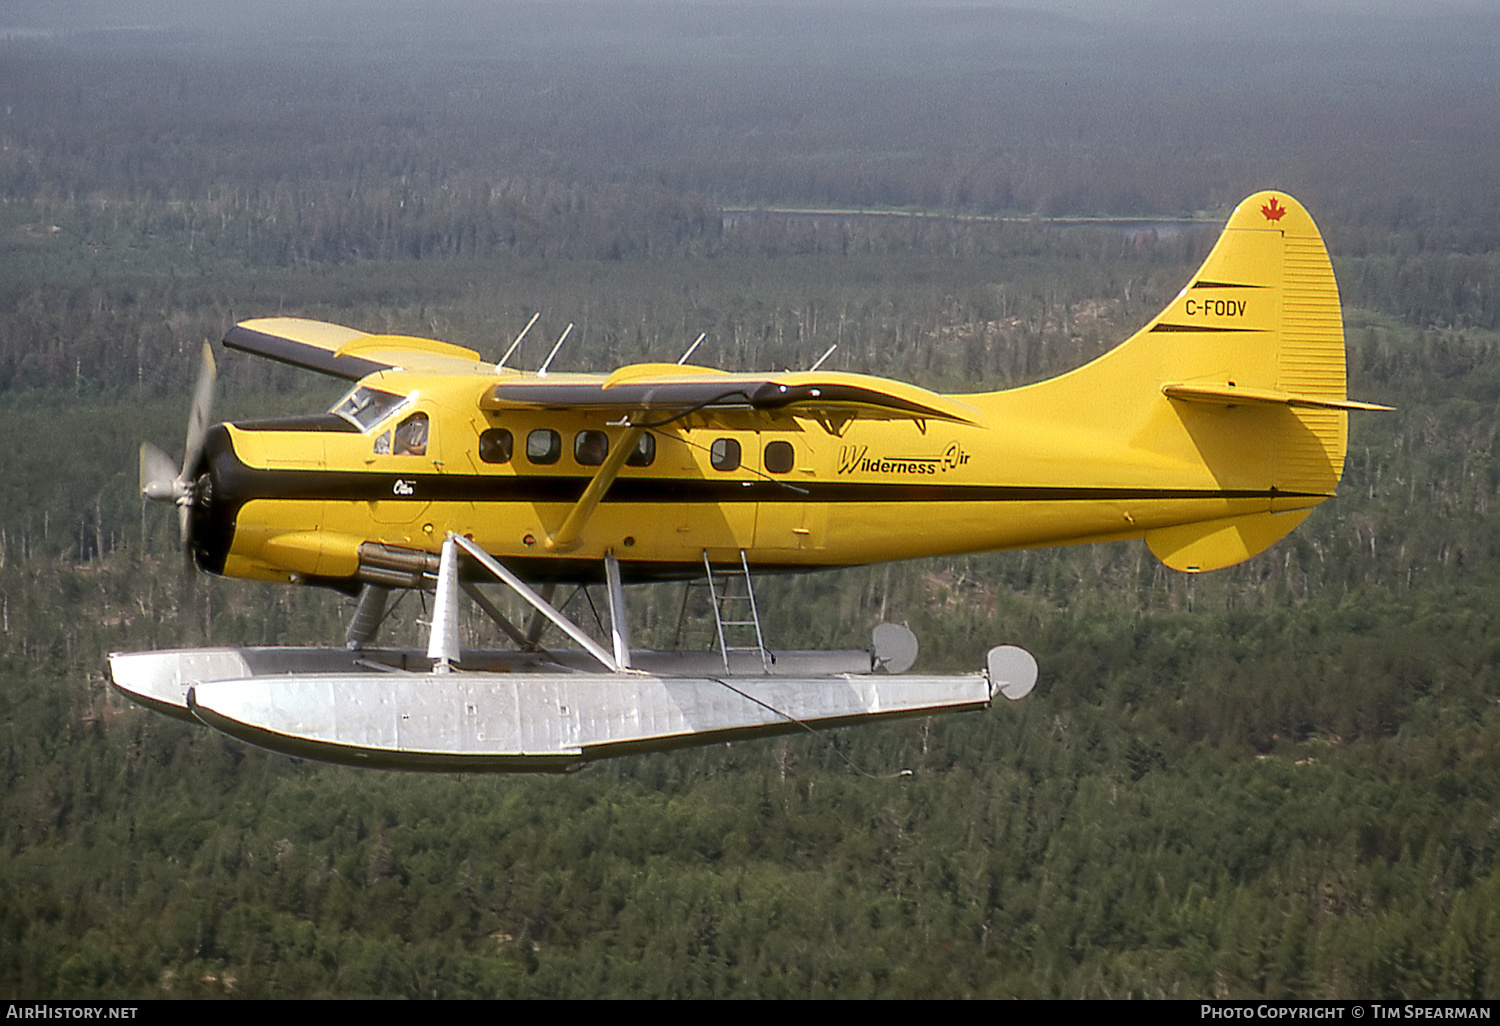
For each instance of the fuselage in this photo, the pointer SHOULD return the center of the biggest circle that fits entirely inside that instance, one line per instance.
(315, 499)
(1209, 432)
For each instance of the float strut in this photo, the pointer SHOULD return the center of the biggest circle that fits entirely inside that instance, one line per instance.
(542, 606)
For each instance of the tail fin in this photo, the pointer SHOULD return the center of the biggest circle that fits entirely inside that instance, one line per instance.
(1238, 385)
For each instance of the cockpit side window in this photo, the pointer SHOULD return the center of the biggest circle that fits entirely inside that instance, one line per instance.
(411, 436)
(366, 407)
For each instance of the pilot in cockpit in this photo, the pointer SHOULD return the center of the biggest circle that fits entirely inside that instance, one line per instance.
(410, 438)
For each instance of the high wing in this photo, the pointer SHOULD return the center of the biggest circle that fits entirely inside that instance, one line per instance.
(668, 391)
(344, 352)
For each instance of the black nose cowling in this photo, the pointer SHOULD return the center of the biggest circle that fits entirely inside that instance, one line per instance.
(214, 504)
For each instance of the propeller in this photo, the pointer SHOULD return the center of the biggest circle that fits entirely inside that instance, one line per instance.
(161, 480)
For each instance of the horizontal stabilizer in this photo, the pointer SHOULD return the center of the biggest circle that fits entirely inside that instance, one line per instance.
(1231, 394)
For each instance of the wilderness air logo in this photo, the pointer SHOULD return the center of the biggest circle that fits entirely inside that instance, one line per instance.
(857, 459)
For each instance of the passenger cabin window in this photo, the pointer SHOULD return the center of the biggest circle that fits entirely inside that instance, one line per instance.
(724, 454)
(496, 445)
(590, 448)
(543, 446)
(644, 453)
(780, 457)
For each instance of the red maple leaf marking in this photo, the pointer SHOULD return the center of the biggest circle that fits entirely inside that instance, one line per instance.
(1272, 211)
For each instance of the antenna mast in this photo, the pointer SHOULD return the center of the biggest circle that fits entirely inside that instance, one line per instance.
(548, 361)
(512, 349)
(684, 357)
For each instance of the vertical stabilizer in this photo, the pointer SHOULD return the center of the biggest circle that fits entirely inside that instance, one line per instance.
(1273, 401)
(1236, 388)
(1268, 294)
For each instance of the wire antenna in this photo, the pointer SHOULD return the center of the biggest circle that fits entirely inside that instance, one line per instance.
(822, 358)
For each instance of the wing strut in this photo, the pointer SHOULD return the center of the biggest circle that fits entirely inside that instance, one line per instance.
(567, 535)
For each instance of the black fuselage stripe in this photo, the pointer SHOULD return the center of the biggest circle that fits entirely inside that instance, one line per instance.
(241, 484)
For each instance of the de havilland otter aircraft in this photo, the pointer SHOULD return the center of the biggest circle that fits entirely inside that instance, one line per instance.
(1210, 433)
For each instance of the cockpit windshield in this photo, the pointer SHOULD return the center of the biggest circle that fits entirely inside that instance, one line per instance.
(366, 407)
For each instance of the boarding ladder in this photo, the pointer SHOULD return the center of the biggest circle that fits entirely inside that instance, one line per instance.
(731, 611)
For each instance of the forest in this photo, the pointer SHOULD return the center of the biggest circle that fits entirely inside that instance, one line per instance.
(1277, 780)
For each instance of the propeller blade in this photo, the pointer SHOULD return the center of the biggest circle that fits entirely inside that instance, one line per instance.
(198, 417)
(158, 474)
(161, 480)
(189, 575)
(185, 529)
